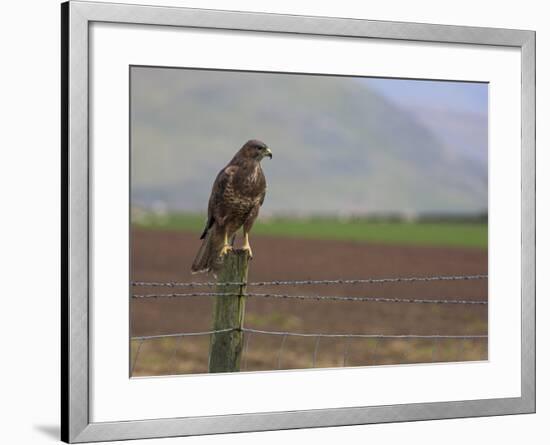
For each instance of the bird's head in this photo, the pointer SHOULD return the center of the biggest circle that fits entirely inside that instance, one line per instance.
(256, 150)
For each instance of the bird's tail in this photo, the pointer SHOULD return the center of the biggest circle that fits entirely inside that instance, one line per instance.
(208, 256)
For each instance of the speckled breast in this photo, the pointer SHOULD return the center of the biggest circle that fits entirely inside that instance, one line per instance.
(239, 204)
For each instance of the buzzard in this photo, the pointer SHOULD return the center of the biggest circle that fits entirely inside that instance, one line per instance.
(237, 194)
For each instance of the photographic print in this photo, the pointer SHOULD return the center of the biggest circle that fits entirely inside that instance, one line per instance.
(286, 221)
(258, 201)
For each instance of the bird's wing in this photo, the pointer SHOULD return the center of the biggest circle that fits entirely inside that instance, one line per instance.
(263, 185)
(263, 197)
(215, 203)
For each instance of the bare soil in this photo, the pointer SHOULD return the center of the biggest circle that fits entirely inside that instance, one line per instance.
(167, 255)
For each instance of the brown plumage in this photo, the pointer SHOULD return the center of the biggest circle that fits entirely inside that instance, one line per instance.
(237, 194)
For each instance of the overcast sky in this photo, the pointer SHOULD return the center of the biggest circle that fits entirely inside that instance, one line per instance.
(350, 145)
(466, 97)
(456, 112)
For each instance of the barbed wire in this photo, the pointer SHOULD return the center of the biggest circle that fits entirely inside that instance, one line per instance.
(310, 282)
(370, 299)
(183, 295)
(457, 300)
(318, 336)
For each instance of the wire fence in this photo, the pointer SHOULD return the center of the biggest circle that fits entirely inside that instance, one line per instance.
(316, 297)
(310, 282)
(435, 338)
(308, 334)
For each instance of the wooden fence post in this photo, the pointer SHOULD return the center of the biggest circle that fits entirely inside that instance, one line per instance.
(226, 347)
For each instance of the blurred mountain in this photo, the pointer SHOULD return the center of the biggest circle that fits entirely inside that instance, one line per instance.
(338, 146)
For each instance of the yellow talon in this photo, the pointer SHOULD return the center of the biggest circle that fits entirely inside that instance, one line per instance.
(226, 246)
(225, 249)
(246, 246)
(249, 250)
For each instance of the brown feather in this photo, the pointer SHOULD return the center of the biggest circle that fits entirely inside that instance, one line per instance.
(237, 194)
(208, 256)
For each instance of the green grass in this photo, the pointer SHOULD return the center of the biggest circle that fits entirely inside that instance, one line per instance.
(460, 234)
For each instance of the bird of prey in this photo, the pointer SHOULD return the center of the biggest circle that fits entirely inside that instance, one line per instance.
(237, 194)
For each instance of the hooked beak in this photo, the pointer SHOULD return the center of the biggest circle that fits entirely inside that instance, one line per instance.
(267, 153)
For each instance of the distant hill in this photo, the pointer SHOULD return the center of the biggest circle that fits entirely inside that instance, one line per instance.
(338, 146)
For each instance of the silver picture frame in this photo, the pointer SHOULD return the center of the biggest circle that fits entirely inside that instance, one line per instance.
(76, 18)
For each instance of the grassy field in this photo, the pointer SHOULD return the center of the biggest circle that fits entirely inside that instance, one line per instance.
(452, 234)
